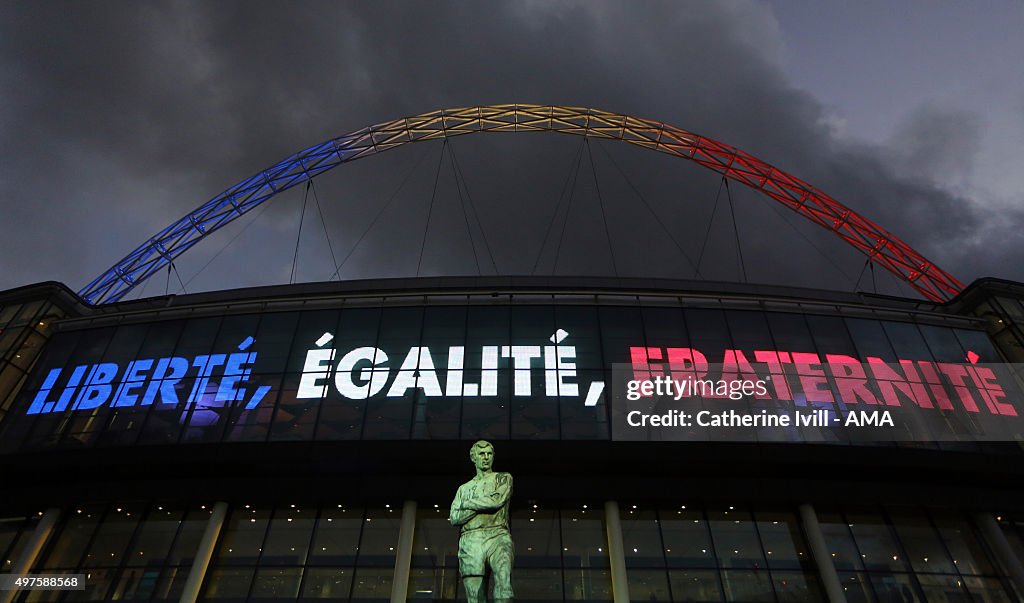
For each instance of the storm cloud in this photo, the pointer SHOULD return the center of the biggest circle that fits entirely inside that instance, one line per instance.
(118, 118)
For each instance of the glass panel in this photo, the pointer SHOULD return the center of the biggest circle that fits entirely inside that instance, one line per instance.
(135, 583)
(189, 534)
(97, 582)
(327, 583)
(73, 539)
(783, 541)
(111, 539)
(979, 343)
(274, 341)
(968, 554)
(587, 585)
(154, 539)
(621, 328)
(907, 341)
(28, 351)
(197, 337)
(986, 590)
(686, 538)
(228, 583)
(749, 331)
(736, 539)
(870, 339)
(288, 538)
(830, 335)
(15, 532)
(943, 344)
(694, 585)
(839, 542)
(580, 322)
(583, 539)
(648, 585)
(435, 555)
(295, 417)
(877, 546)
(371, 585)
(537, 584)
(171, 584)
(379, 539)
(797, 586)
(790, 332)
(893, 587)
(922, 544)
(641, 538)
(943, 589)
(276, 584)
(242, 537)
(747, 586)
(312, 326)
(336, 540)
(434, 584)
(856, 587)
(537, 539)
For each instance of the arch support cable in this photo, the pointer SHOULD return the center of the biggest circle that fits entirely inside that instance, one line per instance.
(881, 246)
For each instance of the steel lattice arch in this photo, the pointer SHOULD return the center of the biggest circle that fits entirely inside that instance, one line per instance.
(878, 244)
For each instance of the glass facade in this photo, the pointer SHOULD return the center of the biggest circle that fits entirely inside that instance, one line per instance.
(24, 329)
(397, 372)
(494, 371)
(911, 554)
(345, 552)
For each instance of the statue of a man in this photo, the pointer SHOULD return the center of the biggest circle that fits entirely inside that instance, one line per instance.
(480, 508)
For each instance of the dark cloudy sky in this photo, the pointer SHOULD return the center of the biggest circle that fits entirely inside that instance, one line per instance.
(117, 118)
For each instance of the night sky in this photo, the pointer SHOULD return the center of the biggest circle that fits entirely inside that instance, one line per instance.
(117, 118)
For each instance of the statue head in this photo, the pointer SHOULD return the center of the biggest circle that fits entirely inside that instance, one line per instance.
(482, 455)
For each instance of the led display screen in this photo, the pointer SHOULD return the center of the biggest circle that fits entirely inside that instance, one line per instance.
(495, 371)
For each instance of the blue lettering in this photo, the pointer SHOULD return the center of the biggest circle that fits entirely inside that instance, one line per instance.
(234, 373)
(98, 387)
(164, 382)
(69, 389)
(133, 379)
(205, 364)
(39, 403)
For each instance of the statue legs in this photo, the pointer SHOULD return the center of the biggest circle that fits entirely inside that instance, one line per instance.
(475, 592)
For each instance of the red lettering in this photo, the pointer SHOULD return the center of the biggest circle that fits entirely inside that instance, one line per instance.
(687, 363)
(735, 366)
(851, 380)
(931, 377)
(776, 376)
(811, 378)
(640, 359)
(990, 389)
(891, 384)
(956, 373)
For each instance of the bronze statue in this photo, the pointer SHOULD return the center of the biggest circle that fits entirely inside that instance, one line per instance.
(480, 508)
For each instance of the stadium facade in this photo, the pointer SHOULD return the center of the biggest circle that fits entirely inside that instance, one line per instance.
(304, 442)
